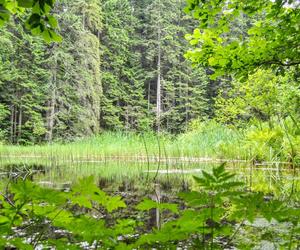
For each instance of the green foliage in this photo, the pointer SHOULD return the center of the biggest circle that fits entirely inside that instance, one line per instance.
(39, 22)
(3, 115)
(52, 91)
(85, 193)
(123, 105)
(23, 85)
(104, 73)
(272, 26)
(215, 216)
(149, 204)
(281, 141)
(46, 208)
(212, 139)
(217, 211)
(130, 51)
(218, 181)
(101, 75)
(262, 96)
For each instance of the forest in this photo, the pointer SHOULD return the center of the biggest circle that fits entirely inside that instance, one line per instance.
(149, 124)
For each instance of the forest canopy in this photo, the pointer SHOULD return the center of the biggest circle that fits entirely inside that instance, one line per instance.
(120, 65)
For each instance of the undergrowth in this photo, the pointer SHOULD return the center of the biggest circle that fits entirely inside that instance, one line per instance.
(219, 213)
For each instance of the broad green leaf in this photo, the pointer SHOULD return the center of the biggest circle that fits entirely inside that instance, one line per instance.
(25, 3)
(4, 16)
(195, 199)
(47, 36)
(62, 244)
(148, 204)
(52, 21)
(19, 244)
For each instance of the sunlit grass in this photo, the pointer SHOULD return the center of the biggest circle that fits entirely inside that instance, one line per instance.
(221, 143)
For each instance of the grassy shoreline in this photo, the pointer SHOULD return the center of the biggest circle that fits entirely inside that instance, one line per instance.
(191, 144)
(210, 141)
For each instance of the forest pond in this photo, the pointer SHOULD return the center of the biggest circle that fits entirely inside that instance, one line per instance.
(113, 173)
(139, 183)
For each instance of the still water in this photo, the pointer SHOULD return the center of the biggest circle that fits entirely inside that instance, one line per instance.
(269, 178)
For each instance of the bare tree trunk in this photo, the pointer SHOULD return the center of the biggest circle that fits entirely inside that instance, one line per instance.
(20, 124)
(83, 21)
(15, 124)
(149, 94)
(127, 126)
(51, 104)
(187, 106)
(158, 92)
(12, 114)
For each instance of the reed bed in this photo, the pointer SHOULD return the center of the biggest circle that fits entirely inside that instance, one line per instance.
(209, 144)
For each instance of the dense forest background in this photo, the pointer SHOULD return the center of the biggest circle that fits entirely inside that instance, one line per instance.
(183, 113)
(121, 66)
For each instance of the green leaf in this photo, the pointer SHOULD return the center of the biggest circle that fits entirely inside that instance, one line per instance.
(212, 61)
(125, 226)
(47, 36)
(113, 203)
(3, 242)
(223, 62)
(4, 16)
(148, 204)
(85, 193)
(25, 3)
(19, 244)
(55, 37)
(3, 220)
(89, 229)
(195, 199)
(194, 42)
(63, 244)
(52, 21)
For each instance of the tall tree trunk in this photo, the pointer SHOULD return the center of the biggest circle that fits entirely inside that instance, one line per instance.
(12, 114)
(50, 116)
(15, 124)
(20, 124)
(127, 126)
(149, 94)
(51, 104)
(187, 106)
(158, 91)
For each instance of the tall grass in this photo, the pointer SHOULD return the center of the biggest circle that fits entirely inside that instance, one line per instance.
(213, 141)
(208, 140)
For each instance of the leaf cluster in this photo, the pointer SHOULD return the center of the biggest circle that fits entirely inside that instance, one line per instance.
(40, 21)
(214, 216)
(271, 27)
(36, 210)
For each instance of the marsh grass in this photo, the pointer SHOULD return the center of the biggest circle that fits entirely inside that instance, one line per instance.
(146, 158)
(208, 143)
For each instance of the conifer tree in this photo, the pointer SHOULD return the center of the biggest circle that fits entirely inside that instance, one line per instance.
(74, 103)
(124, 105)
(23, 84)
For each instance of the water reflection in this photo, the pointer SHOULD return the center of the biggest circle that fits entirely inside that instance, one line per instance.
(266, 178)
